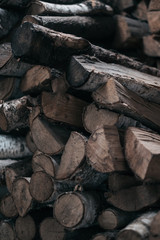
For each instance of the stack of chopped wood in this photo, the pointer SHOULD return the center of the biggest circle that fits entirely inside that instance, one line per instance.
(79, 123)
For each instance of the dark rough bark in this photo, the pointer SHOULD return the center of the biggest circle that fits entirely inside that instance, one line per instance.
(14, 3)
(5, 53)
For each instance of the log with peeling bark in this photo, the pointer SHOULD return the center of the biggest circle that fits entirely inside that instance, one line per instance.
(88, 73)
(7, 231)
(105, 236)
(8, 20)
(154, 21)
(104, 151)
(155, 228)
(94, 118)
(13, 147)
(7, 206)
(25, 228)
(139, 229)
(129, 32)
(75, 210)
(135, 198)
(86, 8)
(110, 219)
(63, 108)
(78, 25)
(44, 162)
(5, 53)
(45, 189)
(151, 45)
(118, 98)
(142, 153)
(22, 168)
(38, 79)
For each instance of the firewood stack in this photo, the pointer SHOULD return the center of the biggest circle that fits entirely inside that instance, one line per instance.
(80, 120)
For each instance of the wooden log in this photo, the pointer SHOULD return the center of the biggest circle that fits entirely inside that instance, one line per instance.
(154, 21)
(4, 163)
(59, 85)
(110, 219)
(13, 147)
(88, 73)
(38, 79)
(44, 162)
(94, 118)
(151, 46)
(14, 4)
(141, 11)
(7, 206)
(142, 153)
(25, 228)
(43, 188)
(5, 53)
(87, 8)
(7, 231)
(50, 44)
(132, 199)
(138, 229)
(75, 210)
(56, 136)
(129, 32)
(123, 5)
(29, 142)
(8, 20)
(154, 5)
(154, 228)
(118, 181)
(15, 170)
(105, 236)
(104, 151)
(118, 98)
(63, 108)
(77, 25)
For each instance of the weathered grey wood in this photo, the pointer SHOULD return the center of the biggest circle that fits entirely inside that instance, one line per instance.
(5, 53)
(7, 231)
(4, 163)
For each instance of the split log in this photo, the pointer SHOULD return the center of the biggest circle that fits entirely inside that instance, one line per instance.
(13, 147)
(154, 5)
(129, 32)
(155, 228)
(25, 228)
(14, 114)
(8, 20)
(142, 153)
(14, 3)
(44, 162)
(88, 73)
(77, 25)
(29, 142)
(7, 231)
(75, 210)
(118, 98)
(151, 46)
(44, 132)
(94, 118)
(7, 206)
(63, 108)
(141, 11)
(110, 219)
(87, 8)
(15, 170)
(43, 188)
(154, 21)
(60, 85)
(50, 45)
(138, 229)
(105, 236)
(5, 53)
(104, 151)
(4, 163)
(21, 195)
(38, 79)
(118, 181)
(134, 198)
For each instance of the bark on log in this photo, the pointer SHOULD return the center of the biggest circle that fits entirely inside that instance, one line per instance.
(43, 188)
(25, 228)
(88, 73)
(5, 53)
(118, 98)
(138, 229)
(75, 210)
(154, 21)
(151, 46)
(7, 206)
(38, 79)
(94, 118)
(142, 153)
(129, 32)
(44, 162)
(105, 236)
(77, 25)
(155, 228)
(15, 170)
(63, 108)
(7, 231)
(104, 151)
(8, 20)
(134, 198)
(14, 3)
(50, 45)
(13, 147)
(87, 8)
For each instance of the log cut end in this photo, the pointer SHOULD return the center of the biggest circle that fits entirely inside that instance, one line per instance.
(6, 231)
(25, 228)
(7, 207)
(36, 8)
(107, 220)
(67, 214)
(129, 234)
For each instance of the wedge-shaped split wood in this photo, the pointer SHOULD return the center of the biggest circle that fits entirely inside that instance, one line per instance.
(155, 228)
(151, 45)
(154, 21)
(142, 150)
(25, 228)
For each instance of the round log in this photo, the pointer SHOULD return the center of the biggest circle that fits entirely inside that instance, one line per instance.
(25, 228)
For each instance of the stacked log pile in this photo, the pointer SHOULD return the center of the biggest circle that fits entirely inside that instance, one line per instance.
(79, 120)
